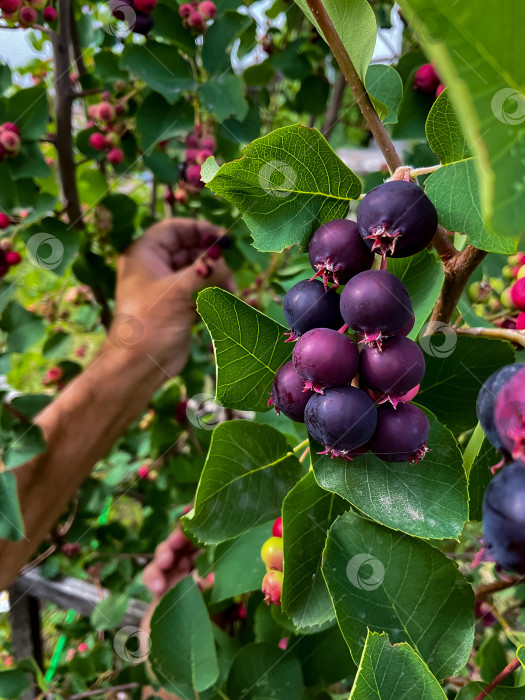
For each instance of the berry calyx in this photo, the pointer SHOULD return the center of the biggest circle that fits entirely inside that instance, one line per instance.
(288, 395)
(115, 156)
(10, 139)
(277, 529)
(342, 420)
(325, 358)
(426, 79)
(509, 415)
(106, 112)
(207, 9)
(401, 434)
(98, 141)
(307, 306)
(272, 553)
(185, 10)
(50, 14)
(397, 219)
(5, 221)
(517, 294)
(376, 304)
(337, 252)
(272, 586)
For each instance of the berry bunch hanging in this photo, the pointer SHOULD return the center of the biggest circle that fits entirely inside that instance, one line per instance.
(200, 145)
(196, 14)
(24, 13)
(107, 118)
(272, 556)
(353, 401)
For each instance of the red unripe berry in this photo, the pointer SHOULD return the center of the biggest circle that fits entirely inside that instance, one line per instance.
(191, 156)
(185, 10)
(9, 140)
(207, 9)
(440, 89)
(12, 258)
(202, 156)
(53, 375)
(10, 126)
(116, 156)
(517, 294)
(196, 21)
(181, 415)
(272, 586)
(71, 549)
(277, 529)
(106, 112)
(143, 471)
(97, 141)
(10, 5)
(208, 143)
(146, 6)
(520, 321)
(50, 14)
(272, 553)
(27, 16)
(93, 112)
(5, 221)
(181, 195)
(82, 647)
(169, 196)
(426, 79)
(192, 141)
(193, 175)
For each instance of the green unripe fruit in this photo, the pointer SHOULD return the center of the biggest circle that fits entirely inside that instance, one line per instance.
(272, 553)
(506, 298)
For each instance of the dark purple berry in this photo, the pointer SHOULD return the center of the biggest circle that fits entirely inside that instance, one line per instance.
(397, 219)
(401, 434)
(504, 518)
(288, 396)
(325, 358)
(307, 305)
(376, 304)
(341, 419)
(509, 415)
(143, 23)
(487, 401)
(394, 370)
(337, 251)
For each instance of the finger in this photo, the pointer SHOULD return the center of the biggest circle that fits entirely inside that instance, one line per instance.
(154, 579)
(190, 279)
(177, 540)
(164, 556)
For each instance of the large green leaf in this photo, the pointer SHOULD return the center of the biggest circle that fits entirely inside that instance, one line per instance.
(11, 521)
(325, 657)
(308, 512)
(444, 134)
(157, 120)
(24, 328)
(249, 349)
(456, 368)
(285, 182)
(219, 37)
(427, 499)
(13, 684)
(486, 83)
(389, 672)
(414, 593)
(224, 97)
(182, 643)
(28, 109)
(51, 245)
(384, 85)
(355, 23)
(422, 274)
(249, 470)
(28, 442)
(261, 670)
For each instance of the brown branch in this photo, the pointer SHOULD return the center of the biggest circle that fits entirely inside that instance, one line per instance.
(503, 333)
(64, 136)
(86, 93)
(75, 44)
(332, 112)
(458, 270)
(488, 589)
(510, 668)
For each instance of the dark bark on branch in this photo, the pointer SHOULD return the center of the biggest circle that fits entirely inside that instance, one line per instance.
(77, 48)
(482, 592)
(458, 270)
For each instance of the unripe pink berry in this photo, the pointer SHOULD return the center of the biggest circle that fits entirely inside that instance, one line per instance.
(272, 586)
(426, 79)
(146, 6)
(143, 471)
(5, 221)
(93, 112)
(97, 141)
(208, 143)
(53, 375)
(196, 21)
(440, 89)
(106, 112)
(10, 126)
(272, 553)
(27, 16)
(113, 139)
(181, 195)
(192, 141)
(169, 196)
(116, 156)
(82, 647)
(202, 156)
(207, 9)
(10, 5)
(517, 294)
(185, 10)
(50, 14)
(520, 321)
(191, 156)
(12, 258)
(277, 529)
(193, 175)
(9, 140)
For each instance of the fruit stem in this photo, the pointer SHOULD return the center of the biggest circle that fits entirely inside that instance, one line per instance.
(304, 455)
(510, 668)
(503, 333)
(488, 589)
(301, 445)
(383, 265)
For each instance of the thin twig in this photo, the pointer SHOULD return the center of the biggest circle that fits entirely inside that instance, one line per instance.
(503, 333)
(77, 48)
(510, 668)
(332, 112)
(488, 589)
(86, 93)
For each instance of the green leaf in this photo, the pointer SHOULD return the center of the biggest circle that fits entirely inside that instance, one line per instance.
(123, 210)
(162, 166)
(11, 521)
(325, 657)
(520, 654)
(480, 477)
(24, 327)
(262, 671)
(486, 84)
(28, 442)
(31, 404)
(312, 95)
(389, 672)
(28, 109)
(51, 245)
(385, 87)
(239, 568)
(285, 182)
(308, 512)
(161, 67)
(219, 37)
(472, 690)
(107, 66)
(5, 78)
(444, 134)
(355, 23)
(456, 368)
(224, 96)
(109, 612)
(57, 345)
(427, 499)
(169, 25)
(249, 349)
(249, 470)
(491, 658)
(29, 163)
(387, 582)
(423, 275)
(182, 643)
(13, 684)
(157, 120)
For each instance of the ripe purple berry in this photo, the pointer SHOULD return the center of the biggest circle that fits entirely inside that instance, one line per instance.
(377, 304)
(394, 370)
(337, 251)
(325, 358)
(307, 305)
(288, 395)
(509, 415)
(487, 400)
(401, 434)
(397, 219)
(343, 419)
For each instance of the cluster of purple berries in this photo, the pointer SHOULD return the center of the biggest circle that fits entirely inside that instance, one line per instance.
(501, 413)
(355, 401)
